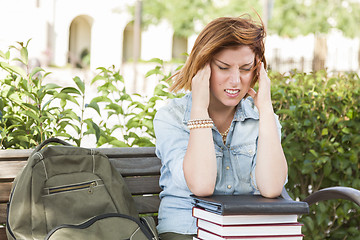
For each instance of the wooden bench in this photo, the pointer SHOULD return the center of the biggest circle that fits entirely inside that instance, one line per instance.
(141, 170)
(139, 166)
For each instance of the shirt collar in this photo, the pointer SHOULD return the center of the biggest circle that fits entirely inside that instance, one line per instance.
(244, 110)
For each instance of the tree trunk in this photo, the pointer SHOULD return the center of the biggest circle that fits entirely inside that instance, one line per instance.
(320, 52)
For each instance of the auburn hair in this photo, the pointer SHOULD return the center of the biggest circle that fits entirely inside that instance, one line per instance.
(219, 34)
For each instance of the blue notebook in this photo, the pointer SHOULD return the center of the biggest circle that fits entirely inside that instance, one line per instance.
(249, 204)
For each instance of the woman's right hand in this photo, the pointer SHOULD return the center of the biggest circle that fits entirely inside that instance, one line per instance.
(201, 92)
(200, 151)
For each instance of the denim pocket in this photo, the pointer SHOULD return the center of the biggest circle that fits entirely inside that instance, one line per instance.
(243, 160)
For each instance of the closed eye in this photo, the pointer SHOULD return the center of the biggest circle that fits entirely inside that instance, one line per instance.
(223, 68)
(246, 69)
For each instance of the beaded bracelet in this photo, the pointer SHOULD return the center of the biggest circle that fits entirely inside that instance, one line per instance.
(200, 123)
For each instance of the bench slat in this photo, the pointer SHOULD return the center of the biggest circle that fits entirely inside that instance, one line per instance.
(5, 192)
(15, 154)
(127, 152)
(3, 233)
(131, 166)
(12, 169)
(2, 213)
(143, 185)
(147, 204)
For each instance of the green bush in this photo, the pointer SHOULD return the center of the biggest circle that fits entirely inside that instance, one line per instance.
(31, 111)
(129, 120)
(320, 136)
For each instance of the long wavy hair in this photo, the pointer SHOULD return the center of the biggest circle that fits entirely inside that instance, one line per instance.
(219, 34)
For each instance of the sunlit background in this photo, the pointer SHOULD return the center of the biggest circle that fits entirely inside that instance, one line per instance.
(74, 37)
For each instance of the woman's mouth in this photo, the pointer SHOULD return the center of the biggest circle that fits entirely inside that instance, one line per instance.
(232, 92)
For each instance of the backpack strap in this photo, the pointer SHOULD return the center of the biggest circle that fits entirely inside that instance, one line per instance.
(51, 140)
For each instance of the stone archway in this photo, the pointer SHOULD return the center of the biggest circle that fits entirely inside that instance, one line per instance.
(80, 41)
(179, 48)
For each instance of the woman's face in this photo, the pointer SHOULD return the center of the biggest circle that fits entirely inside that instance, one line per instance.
(231, 75)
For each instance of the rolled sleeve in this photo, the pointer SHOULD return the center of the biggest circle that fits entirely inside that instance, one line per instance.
(171, 145)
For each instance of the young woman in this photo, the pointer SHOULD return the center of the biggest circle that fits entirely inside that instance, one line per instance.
(216, 139)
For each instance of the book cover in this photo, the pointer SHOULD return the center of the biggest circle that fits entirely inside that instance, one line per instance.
(251, 230)
(243, 218)
(249, 204)
(202, 234)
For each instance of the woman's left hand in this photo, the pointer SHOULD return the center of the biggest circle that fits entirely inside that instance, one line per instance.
(262, 98)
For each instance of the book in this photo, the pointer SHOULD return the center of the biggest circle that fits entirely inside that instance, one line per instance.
(251, 229)
(243, 218)
(202, 234)
(250, 204)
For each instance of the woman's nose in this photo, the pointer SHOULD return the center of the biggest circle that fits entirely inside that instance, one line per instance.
(235, 76)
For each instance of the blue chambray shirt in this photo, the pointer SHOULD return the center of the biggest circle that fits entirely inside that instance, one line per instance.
(235, 161)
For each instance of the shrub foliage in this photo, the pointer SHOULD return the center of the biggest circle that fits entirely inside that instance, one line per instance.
(319, 114)
(321, 140)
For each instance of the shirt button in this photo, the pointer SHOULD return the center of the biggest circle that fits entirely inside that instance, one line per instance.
(250, 151)
(227, 167)
(228, 186)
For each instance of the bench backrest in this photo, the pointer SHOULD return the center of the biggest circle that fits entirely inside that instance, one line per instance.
(139, 166)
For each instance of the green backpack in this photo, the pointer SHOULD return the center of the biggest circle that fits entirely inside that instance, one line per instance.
(67, 192)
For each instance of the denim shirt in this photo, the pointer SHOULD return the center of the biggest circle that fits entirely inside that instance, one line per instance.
(236, 160)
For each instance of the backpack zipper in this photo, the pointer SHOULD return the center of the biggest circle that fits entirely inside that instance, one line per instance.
(79, 186)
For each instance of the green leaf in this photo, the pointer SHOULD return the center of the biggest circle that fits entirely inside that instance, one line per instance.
(312, 151)
(350, 114)
(101, 99)
(118, 143)
(153, 71)
(31, 107)
(14, 69)
(64, 97)
(143, 142)
(117, 108)
(2, 55)
(32, 115)
(7, 55)
(97, 78)
(95, 127)
(157, 60)
(35, 71)
(70, 90)
(24, 55)
(19, 60)
(324, 132)
(93, 105)
(80, 84)
(50, 86)
(27, 43)
(346, 130)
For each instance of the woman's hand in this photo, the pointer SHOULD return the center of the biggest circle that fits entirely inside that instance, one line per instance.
(262, 98)
(271, 166)
(200, 151)
(201, 92)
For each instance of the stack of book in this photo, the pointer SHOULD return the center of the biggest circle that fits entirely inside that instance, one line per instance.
(253, 217)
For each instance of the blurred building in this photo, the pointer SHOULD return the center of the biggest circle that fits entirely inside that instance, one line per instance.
(101, 33)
